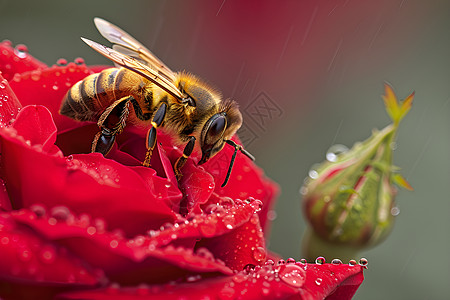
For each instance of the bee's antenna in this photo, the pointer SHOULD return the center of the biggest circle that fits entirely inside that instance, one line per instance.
(236, 148)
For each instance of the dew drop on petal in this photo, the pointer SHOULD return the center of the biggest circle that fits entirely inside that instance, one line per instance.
(318, 281)
(249, 268)
(336, 261)
(228, 221)
(293, 275)
(320, 260)
(290, 260)
(62, 214)
(303, 261)
(79, 61)
(334, 152)
(363, 262)
(269, 262)
(48, 255)
(113, 244)
(21, 51)
(38, 210)
(61, 62)
(352, 263)
(271, 215)
(35, 75)
(259, 254)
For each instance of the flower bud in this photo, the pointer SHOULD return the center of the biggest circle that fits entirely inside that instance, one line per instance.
(349, 199)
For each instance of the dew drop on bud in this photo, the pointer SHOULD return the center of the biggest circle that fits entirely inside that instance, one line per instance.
(336, 261)
(334, 152)
(21, 51)
(259, 254)
(395, 211)
(61, 62)
(352, 263)
(313, 174)
(318, 281)
(303, 261)
(320, 260)
(281, 262)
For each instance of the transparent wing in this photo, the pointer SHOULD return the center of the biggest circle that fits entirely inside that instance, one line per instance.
(129, 46)
(135, 65)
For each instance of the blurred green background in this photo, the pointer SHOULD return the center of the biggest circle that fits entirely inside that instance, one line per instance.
(307, 74)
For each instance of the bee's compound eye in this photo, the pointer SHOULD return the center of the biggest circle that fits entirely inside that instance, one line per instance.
(216, 129)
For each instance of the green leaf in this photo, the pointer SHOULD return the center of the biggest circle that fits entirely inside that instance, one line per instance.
(401, 181)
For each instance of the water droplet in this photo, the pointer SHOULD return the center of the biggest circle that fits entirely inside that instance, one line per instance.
(35, 75)
(259, 254)
(303, 261)
(290, 260)
(55, 87)
(281, 262)
(363, 262)
(334, 152)
(393, 146)
(207, 229)
(313, 174)
(61, 62)
(79, 61)
(249, 268)
(293, 275)
(69, 158)
(62, 214)
(91, 230)
(226, 202)
(21, 51)
(205, 253)
(395, 211)
(113, 244)
(320, 260)
(303, 190)
(25, 255)
(352, 263)
(318, 281)
(4, 240)
(271, 215)
(38, 210)
(48, 254)
(336, 261)
(269, 262)
(228, 220)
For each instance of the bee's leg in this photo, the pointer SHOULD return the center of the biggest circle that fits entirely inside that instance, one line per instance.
(111, 123)
(182, 160)
(157, 120)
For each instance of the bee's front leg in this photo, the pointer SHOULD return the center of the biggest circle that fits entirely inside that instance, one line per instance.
(182, 160)
(111, 123)
(157, 121)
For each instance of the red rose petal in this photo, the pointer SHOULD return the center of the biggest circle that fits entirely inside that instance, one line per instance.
(245, 245)
(246, 180)
(47, 87)
(17, 60)
(90, 183)
(197, 185)
(125, 261)
(289, 281)
(36, 124)
(9, 104)
(27, 258)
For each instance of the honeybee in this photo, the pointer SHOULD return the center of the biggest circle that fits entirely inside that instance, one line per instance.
(143, 91)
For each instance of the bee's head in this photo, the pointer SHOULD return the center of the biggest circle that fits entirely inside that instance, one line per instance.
(218, 128)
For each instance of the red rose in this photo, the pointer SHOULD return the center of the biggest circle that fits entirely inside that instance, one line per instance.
(77, 225)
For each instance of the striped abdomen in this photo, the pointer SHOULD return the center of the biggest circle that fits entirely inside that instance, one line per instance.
(88, 98)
